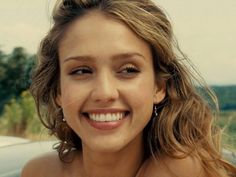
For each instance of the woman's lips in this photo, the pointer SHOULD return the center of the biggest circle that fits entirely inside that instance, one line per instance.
(104, 120)
(108, 117)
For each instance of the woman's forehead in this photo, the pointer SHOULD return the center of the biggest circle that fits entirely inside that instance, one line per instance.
(96, 34)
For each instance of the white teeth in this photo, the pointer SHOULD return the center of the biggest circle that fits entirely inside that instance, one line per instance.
(106, 117)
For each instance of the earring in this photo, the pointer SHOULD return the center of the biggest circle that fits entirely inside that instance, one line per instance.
(65, 142)
(155, 111)
(63, 119)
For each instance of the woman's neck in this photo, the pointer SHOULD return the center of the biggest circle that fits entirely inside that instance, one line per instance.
(124, 163)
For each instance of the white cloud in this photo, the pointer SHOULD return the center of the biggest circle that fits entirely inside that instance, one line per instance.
(206, 32)
(24, 23)
(205, 29)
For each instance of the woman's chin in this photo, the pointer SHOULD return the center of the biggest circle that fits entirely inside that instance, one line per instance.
(104, 147)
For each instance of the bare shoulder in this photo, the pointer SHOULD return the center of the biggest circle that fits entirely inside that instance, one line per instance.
(172, 167)
(43, 166)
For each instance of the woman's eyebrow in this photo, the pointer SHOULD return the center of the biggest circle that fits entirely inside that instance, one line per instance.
(119, 56)
(128, 55)
(79, 58)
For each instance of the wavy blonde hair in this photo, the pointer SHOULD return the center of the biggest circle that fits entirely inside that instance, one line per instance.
(185, 121)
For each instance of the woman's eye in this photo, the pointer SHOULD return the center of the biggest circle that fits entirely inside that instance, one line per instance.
(81, 71)
(129, 70)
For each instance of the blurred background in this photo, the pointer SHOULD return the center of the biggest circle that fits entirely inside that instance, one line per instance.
(206, 31)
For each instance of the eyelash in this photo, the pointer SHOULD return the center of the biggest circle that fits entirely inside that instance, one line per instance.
(129, 70)
(81, 70)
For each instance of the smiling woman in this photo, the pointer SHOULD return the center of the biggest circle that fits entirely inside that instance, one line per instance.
(110, 86)
(106, 84)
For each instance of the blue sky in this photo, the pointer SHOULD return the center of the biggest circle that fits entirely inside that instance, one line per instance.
(206, 31)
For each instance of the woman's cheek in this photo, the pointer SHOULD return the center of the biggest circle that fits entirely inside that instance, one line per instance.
(140, 92)
(71, 91)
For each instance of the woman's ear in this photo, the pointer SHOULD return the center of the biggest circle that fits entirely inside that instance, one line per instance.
(58, 100)
(160, 93)
(58, 96)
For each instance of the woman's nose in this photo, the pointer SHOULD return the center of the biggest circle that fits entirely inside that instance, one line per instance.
(105, 89)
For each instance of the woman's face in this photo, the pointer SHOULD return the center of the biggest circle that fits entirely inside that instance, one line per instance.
(107, 82)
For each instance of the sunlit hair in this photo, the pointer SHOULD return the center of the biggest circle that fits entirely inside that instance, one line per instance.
(184, 125)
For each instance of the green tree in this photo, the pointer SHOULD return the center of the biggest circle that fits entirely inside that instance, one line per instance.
(19, 117)
(2, 76)
(226, 96)
(15, 70)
